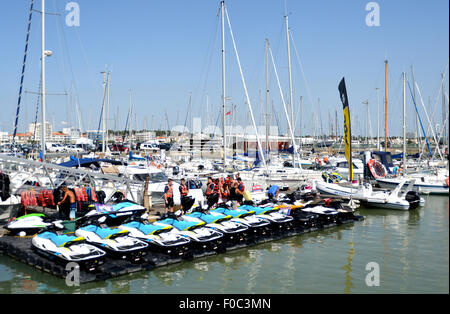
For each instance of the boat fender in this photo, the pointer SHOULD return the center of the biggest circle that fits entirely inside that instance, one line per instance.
(446, 182)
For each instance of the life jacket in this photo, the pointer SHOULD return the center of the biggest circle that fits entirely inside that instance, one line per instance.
(226, 193)
(210, 188)
(41, 199)
(93, 195)
(183, 190)
(85, 194)
(79, 196)
(169, 192)
(48, 197)
(241, 187)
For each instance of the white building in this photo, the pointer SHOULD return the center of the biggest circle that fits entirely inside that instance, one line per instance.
(48, 130)
(145, 136)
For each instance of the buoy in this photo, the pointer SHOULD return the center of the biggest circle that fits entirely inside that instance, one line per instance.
(446, 181)
(376, 169)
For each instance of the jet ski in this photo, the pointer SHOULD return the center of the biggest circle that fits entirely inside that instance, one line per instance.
(118, 213)
(159, 237)
(54, 245)
(234, 232)
(258, 226)
(27, 225)
(202, 237)
(279, 221)
(117, 243)
(303, 221)
(341, 211)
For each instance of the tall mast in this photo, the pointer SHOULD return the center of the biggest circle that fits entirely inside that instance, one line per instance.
(417, 115)
(103, 111)
(404, 120)
(131, 115)
(378, 119)
(385, 108)
(43, 148)
(291, 106)
(222, 5)
(443, 111)
(267, 97)
(107, 108)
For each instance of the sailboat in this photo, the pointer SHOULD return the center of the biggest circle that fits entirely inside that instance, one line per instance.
(364, 192)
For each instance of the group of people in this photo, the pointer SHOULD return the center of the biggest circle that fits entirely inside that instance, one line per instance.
(224, 190)
(217, 191)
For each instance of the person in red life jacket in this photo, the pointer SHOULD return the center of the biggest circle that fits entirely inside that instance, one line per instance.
(217, 186)
(212, 195)
(184, 191)
(168, 196)
(240, 191)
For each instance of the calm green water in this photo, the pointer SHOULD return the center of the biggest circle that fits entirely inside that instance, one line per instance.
(411, 249)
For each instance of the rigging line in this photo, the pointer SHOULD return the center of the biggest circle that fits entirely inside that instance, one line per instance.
(23, 74)
(37, 111)
(301, 68)
(430, 121)
(66, 48)
(246, 92)
(101, 117)
(420, 120)
(207, 65)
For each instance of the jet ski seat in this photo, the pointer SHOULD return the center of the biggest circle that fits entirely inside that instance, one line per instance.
(104, 233)
(59, 240)
(146, 228)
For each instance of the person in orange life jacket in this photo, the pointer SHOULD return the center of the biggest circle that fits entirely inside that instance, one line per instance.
(168, 196)
(225, 193)
(217, 186)
(184, 191)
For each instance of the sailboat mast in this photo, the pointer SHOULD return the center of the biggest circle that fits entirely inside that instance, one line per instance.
(108, 77)
(378, 119)
(222, 5)
(43, 148)
(291, 106)
(385, 108)
(404, 120)
(131, 115)
(267, 96)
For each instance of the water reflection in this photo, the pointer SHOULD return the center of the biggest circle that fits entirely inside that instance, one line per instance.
(348, 268)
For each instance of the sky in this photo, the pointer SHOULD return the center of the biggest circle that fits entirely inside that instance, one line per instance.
(169, 51)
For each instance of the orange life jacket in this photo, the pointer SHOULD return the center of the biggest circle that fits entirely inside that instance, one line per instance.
(169, 192)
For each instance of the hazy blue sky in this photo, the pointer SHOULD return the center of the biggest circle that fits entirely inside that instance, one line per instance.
(165, 49)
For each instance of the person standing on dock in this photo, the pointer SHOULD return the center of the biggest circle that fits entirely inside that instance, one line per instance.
(168, 196)
(184, 191)
(68, 203)
(240, 191)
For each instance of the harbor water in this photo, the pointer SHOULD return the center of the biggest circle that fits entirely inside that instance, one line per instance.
(409, 248)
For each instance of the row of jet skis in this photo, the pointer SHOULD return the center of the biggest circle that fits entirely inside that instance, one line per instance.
(123, 231)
